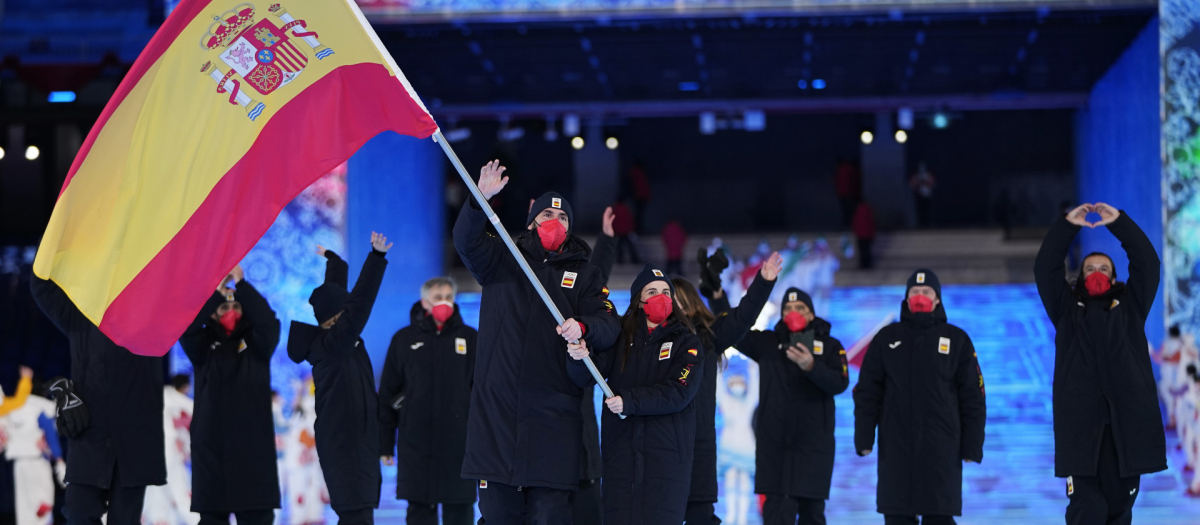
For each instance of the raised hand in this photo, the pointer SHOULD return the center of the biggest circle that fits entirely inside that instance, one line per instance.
(608, 220)
(800, 354)
(771, 268)
(26, 372)
(237, 274)
(866, 452)
(1108, 214)
(490, 180)
(388, 460)
(578, 351)
(320, 250)
(615, 404)
(380, 243)
(1078, 216)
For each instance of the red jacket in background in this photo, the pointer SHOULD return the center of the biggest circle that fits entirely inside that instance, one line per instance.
(622, 220)
(640, 183)
(674, 240)
(847, 180)
(864, 222)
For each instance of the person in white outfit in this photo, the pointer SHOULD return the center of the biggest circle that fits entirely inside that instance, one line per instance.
(171, 504)
(307, 494)
(737, 398)
(1168, 365)
(33, 448)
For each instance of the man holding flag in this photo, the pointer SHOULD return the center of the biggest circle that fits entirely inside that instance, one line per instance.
(525, 428)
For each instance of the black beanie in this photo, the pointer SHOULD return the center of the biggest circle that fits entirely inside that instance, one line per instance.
(649, 274)
(551, 200)
(795, 294)
(330, 298)
(924, 277)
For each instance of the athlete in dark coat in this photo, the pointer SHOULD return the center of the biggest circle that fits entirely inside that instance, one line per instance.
(111, 411)
(524, 429)
(920, 384)
(426, 392)
(347, 428)
(1107, 427)
(655, 370)
(795, 444)
(717, 332)
(230, 345)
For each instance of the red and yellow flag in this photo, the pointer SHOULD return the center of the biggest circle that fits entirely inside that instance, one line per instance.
(230, 112)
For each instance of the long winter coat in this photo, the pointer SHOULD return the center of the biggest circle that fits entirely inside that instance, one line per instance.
(920, 384)
(123, 395)
(794, 437)
(432, 369)
(1102, 372)
(591, 466)
(731, 326)
(648, 455)
(525, 428)
(347, 428)
(233, 431)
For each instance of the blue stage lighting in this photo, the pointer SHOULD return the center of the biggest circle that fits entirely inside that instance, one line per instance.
(62, 96)
(802, 84)
(819, 83)
(689, 86)
(940, 121)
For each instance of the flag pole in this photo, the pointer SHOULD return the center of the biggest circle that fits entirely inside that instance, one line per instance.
(512, 247)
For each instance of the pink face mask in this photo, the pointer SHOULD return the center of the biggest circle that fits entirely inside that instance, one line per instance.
(920, 304)
(442, 312)
(1097, 283)
(229, 320)
(795, 322)
(552, 234)
(658, 308)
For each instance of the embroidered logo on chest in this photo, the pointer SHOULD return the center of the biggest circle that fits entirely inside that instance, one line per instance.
(943, 345)
(417, 345)
(460, 346)
(664, 353)
(894, 345)
(568, 280)
(818, 347)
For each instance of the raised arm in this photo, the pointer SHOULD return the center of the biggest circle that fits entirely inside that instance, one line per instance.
(482, 252)
(1144, 264)
(674, 394)
(972, 403)
(391, 385)
(192, 340)
(868, 398)
(829, 371)
(729, 329)
(1049, 269)
(264, 325)
(362, 298)
(755, 344)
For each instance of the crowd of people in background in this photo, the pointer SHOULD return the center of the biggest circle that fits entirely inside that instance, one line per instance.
(1179, 390)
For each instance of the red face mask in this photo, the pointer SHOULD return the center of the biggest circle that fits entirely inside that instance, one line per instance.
(442, 312)
(795, 322)
(920, 304)
(1097, 283)
(229, 320)
(658, 308)
(552, 234)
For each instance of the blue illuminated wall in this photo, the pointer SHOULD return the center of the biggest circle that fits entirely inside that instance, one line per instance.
(396, 188)
(1118, 138)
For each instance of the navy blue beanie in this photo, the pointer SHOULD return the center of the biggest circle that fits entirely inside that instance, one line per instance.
(551, 200)
(795, 294)
(649, 274)
(924, 277)
(330, 298)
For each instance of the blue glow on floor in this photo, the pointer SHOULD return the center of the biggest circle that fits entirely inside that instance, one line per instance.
(1015, 483)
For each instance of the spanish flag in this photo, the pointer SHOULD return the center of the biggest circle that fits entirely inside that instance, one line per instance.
(230, 112)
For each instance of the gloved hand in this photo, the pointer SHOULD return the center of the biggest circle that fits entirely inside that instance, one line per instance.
(72, 416)
(710, 271)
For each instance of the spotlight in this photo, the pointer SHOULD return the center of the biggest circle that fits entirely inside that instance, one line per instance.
(1, 153)
(611, 143)
(818, 83)
(570, 126)
(901, 136)
(802, 84)
(510, 134)
(32, 152)
(708, 123)
(577, 143)
(754, 120)
(458, 135)
(689, 86)
(940, 120)
(867, 137)
(62, 96)
(904, 118)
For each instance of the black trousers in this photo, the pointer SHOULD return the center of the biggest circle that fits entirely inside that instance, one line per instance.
(87, 503)
(866, 259)
(508, 505)
(780, 509)
(253, 517)
(587, 506)
(701, 513)
(1106, 497)
(354, 516)
(427, 513)
(892, 519)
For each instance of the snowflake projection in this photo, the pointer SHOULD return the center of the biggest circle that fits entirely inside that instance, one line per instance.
(1179, 42)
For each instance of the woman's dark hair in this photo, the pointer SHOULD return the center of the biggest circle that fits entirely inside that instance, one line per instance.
(180, 381)
(633, 317)
(692, 307)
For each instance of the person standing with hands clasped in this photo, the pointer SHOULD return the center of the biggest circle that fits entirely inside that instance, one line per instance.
(525, 430)
(426, 392)
(230, 345)
(347, 426)
(802, 369)
(921, 385)
(1107, 427)
(655, 370)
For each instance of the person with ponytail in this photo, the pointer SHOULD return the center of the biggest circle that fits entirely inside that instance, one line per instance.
(230, 345)
(802, 369)
(921, 386)
(1107, 427)
(717, 332)
(655, 370)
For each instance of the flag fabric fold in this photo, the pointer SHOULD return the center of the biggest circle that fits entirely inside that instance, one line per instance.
(230, 112)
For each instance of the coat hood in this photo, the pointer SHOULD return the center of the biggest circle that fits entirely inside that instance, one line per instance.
(301, 337)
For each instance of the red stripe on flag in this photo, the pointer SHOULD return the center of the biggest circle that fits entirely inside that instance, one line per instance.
(290, 55)
(286, 61)
(335, 116)
(166, 35)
